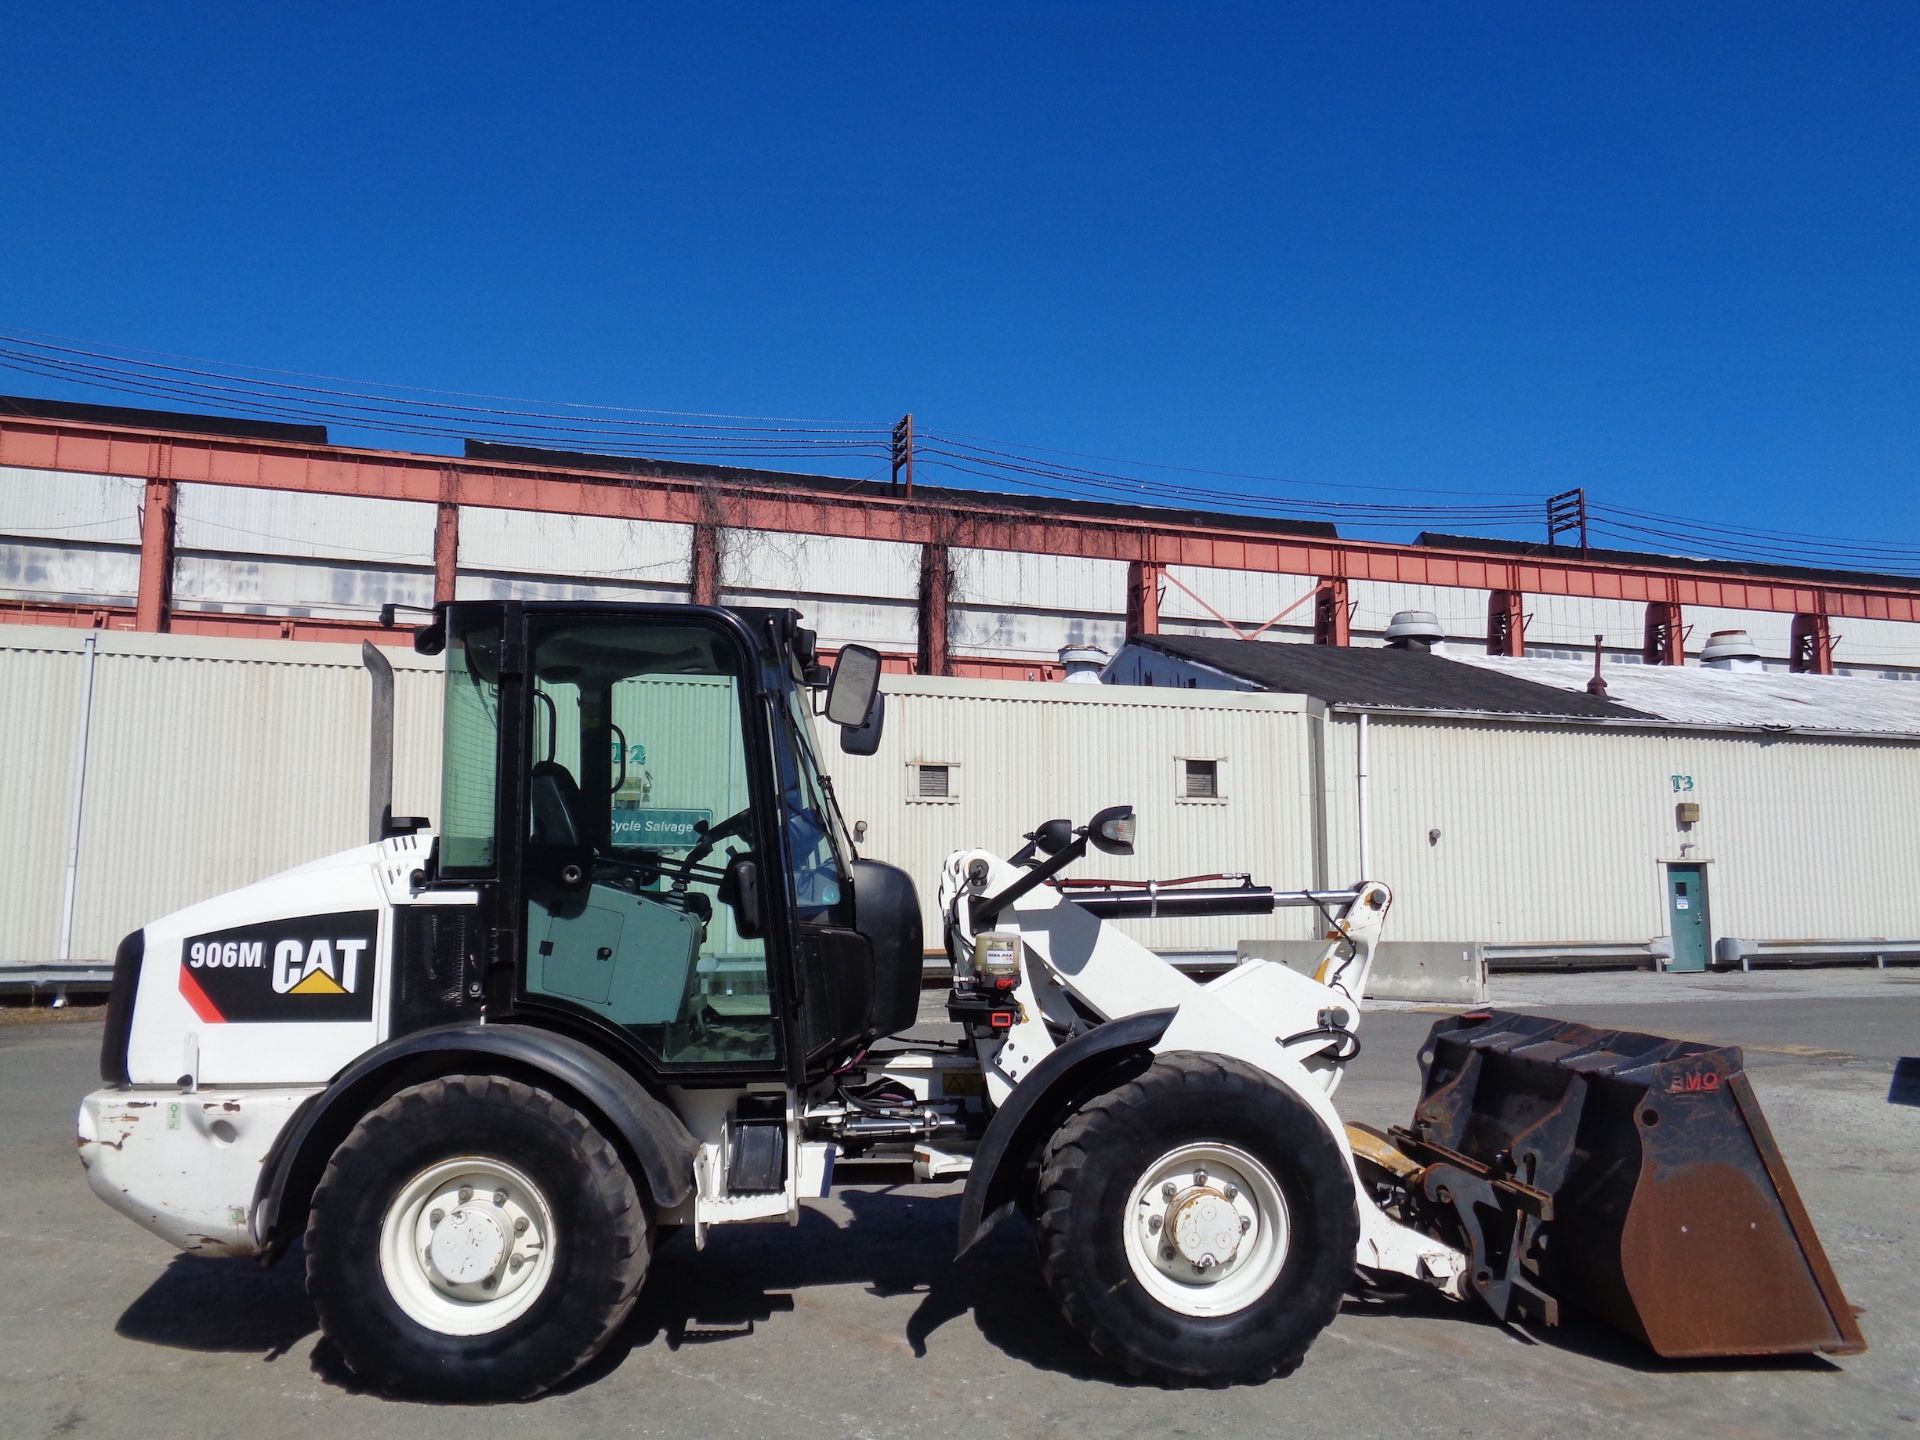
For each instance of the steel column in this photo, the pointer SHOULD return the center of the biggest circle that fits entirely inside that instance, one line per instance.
(1332, 615)
(156, 556)
(1811, 649)
(936, 581)
(446, 551)
(705, 587)
(1665, 639)
(1143, 598)
(1506, 623)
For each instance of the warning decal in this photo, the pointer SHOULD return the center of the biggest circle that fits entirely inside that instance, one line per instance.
(306, 967)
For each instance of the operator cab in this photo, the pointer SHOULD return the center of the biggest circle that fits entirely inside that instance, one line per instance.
(636, 792)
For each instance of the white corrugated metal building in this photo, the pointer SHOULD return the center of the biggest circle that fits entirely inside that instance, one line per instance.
(1509, 806)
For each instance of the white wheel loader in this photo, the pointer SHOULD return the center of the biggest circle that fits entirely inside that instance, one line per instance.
(635, 977)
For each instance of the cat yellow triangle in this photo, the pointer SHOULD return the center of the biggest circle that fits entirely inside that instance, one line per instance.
(318, 983)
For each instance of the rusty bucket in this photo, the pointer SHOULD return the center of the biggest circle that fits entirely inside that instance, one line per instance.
(1628, 1176)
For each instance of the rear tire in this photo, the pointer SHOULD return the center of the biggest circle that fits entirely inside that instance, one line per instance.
(1231, 1276)
(474, 1238)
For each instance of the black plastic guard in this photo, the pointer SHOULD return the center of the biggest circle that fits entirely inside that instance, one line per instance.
(1087, 1065)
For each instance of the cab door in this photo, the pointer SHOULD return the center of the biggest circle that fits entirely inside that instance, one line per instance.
(647, 858)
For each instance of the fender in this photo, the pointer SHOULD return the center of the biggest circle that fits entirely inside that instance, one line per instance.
(649, 1133)
(1089, 1064)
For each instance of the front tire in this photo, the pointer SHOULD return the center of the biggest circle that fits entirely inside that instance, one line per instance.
(474, 1238)
(1197, 1225)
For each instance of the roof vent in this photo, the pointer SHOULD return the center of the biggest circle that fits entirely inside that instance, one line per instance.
(1083, 663)
(1731, 650)
(1414, 630)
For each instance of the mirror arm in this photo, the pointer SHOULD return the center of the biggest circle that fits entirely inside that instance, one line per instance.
(984, 912)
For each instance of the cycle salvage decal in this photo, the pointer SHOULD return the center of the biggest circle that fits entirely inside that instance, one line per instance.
(308, 967)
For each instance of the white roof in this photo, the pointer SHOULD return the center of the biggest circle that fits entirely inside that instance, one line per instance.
(1733, 699)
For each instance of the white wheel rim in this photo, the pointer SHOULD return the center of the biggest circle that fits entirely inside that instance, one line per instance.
(467, 1246)
(1206, 1229)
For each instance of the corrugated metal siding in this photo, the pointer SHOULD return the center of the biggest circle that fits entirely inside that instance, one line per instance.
(1041, 582)
(588, 546)
(767, 561)
(1245, 596)
(68, 574)
(71, 509)
(1025, 753)
(1550, 833)
(1462, 613)
(37, 724)
(302, 587)
(289, 522)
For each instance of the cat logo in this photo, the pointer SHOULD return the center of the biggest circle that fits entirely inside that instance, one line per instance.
(310, 967)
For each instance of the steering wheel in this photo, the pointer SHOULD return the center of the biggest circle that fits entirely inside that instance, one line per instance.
(735, 824)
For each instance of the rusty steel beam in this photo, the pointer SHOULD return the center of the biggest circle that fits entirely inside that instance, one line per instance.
(1506, 623)
(936, 586)
(1810, 652)
(1143, 598)
(1664, 642)
(446, 551)
(705, 572)
(1332, 613)
(91, 448)
(156, 555)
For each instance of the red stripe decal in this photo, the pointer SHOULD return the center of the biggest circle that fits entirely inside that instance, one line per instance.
(197, 998)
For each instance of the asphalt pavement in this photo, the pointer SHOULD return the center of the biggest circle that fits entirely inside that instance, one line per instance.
(858, 1323)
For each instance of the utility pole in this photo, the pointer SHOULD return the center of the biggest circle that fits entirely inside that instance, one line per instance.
(1567, 514)
(903, 453)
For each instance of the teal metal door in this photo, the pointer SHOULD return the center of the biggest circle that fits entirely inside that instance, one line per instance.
(1687, 911)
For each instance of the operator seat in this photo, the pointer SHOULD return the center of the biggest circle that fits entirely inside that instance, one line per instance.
(559, 809)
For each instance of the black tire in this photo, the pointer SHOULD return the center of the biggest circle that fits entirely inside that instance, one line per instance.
(1087, 1178)
(599, 1254)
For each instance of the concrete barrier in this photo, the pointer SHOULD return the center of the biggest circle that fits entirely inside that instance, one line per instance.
(1438, 971)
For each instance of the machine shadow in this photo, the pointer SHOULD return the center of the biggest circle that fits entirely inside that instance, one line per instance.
(1575, 1335)
(899, 1241)
(223, 1305)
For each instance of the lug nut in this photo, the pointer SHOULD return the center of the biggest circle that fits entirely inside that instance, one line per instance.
(1166, 1253)
(1246, 1223)
(1153, 1225)
(436, 1217)
(466, 1193)
(1205, 1262)
(1199, 1176)
(520, 1226)
(489, 1282)
(1169, 1190)
(499, 1197)
(1233, 1192)
(515, 1263)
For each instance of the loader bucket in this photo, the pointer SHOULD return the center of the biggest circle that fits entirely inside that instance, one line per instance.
(1628, 1176)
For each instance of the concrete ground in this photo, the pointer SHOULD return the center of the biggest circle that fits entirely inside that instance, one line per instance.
(858, 1324)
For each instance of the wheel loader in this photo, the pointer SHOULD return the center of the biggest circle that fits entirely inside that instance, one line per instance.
(635, 977)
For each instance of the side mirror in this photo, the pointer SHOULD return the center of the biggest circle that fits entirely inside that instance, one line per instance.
(739, 890)
(855, 682)
(864, 739)
(1111, 831)
(1052, 837)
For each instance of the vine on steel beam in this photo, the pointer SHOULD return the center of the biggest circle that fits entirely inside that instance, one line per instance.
(1665, 640)
(1506, 623)
(155, 598)
(1811, 650)
(1332, 616)
(446, 551)
(705, 575)
(936, 585)
(1143, 598)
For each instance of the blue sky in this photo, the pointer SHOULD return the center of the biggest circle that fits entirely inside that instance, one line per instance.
(1667, 253)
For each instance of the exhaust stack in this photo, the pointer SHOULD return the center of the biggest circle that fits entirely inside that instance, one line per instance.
(380, 742)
